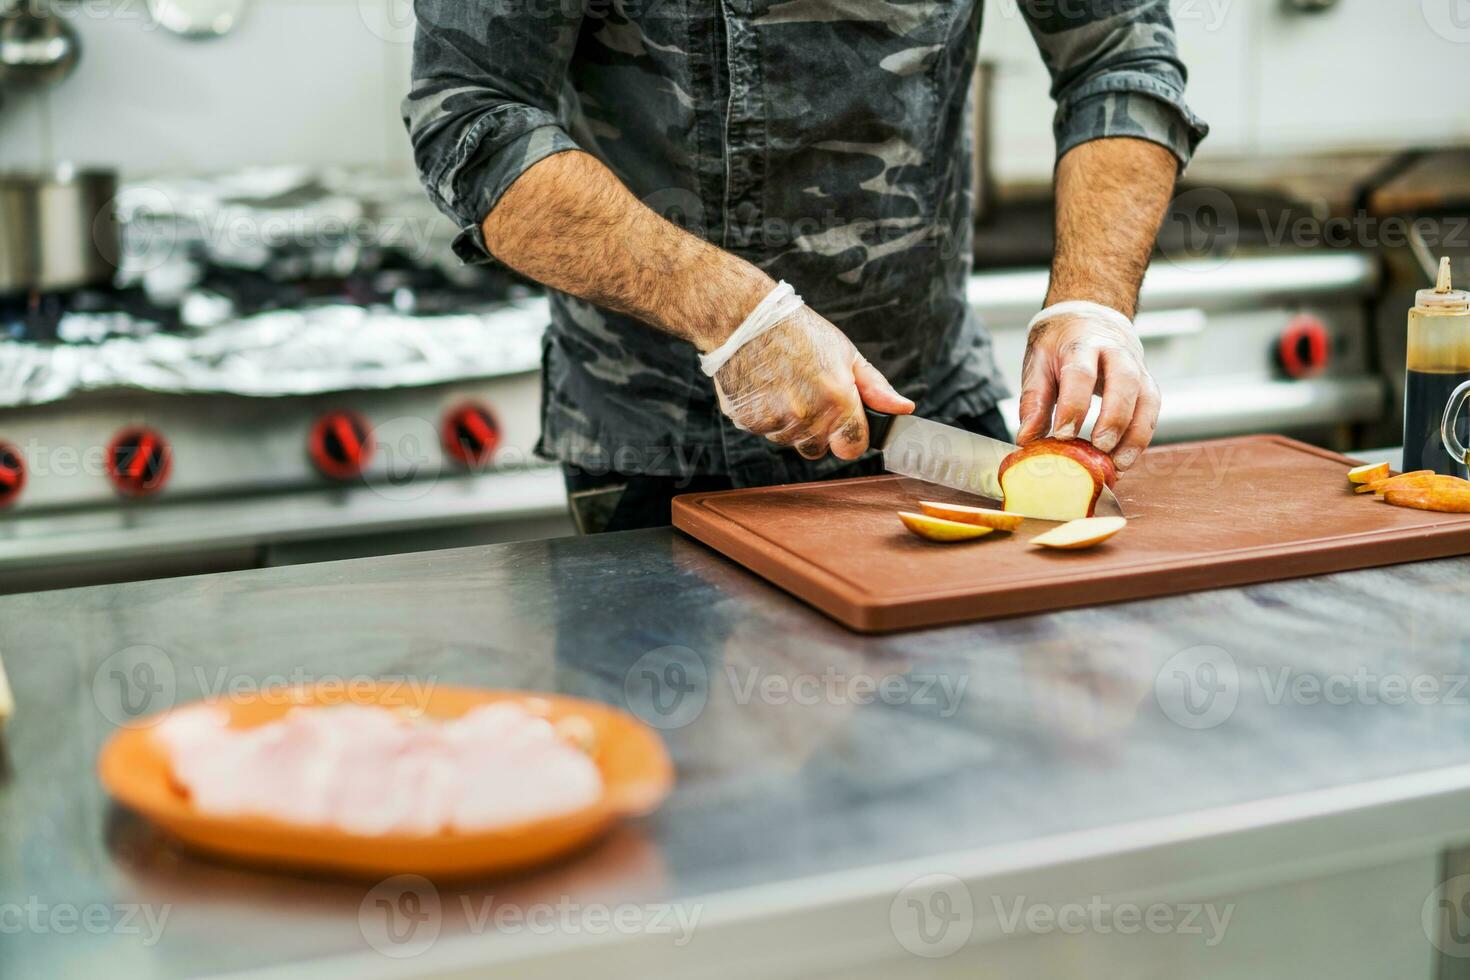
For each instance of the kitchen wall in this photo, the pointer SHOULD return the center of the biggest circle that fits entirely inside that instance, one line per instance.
(318, 81)
(299, 81)
(1364, 75)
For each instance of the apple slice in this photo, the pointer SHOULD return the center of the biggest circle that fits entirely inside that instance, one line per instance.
(1055, 479)
(1440, 497)
(1376, 486)
(1418, 480)
(938, 529)
(1083, 533)
(1368, 472)
(985, 517)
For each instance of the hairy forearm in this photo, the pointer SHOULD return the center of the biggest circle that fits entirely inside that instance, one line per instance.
(1111, 197)
(570, 224)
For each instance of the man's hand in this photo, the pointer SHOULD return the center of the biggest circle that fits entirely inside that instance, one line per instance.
(1070, 358)
(804, 384)
(1111, 198)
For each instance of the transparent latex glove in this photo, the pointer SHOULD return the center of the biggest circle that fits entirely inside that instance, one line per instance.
(1070, 358)
(803, 384)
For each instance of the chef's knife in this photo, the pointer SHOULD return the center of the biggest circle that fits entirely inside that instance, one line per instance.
(949, 456)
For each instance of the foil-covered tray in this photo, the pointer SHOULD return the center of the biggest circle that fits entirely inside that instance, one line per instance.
(286, 352)
(279, 227)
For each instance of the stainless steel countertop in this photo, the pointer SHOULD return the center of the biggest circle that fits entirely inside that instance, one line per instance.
(995, 749)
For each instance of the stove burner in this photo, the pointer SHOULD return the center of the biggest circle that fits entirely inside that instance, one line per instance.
(470, 434)
(340, 444)
(139, 461)
(12, 474)
(1303, 349)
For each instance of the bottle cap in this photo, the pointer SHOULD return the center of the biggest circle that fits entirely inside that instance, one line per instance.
(1444, 297)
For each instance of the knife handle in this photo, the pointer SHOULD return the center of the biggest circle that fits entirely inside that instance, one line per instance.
(878, 425)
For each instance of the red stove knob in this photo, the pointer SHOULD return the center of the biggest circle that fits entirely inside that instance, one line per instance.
(470, 434)
(340, 443)
(12, 474)
(139, 461)
(1303, 349)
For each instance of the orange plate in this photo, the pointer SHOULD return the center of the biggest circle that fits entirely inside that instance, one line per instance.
(636, 771)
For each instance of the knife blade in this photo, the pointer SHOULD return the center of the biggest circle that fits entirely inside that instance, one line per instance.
(949, 456)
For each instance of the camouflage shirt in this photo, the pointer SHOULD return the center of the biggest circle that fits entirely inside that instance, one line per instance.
(826, 141)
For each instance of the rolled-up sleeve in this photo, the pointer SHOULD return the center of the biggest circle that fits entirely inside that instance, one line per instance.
(1115, 71)
(483, 104)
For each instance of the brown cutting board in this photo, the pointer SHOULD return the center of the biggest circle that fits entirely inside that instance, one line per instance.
(1202, 515)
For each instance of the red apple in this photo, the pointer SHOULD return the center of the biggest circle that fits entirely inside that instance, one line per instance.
(1056, 479)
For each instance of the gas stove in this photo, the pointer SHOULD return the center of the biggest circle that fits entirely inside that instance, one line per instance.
(149, 447)
(119, 485)
(284, 361)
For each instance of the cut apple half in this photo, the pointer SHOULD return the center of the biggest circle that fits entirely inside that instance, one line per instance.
(1082, 533)
(939, 529)
(1368, 472)
(964, 514)
(1055, 479)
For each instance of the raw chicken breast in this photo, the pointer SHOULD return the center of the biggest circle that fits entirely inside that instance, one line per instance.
(371, 771)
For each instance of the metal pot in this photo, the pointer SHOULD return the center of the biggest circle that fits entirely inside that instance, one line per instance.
(36, 47)
(197, 18)
(57, 231)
